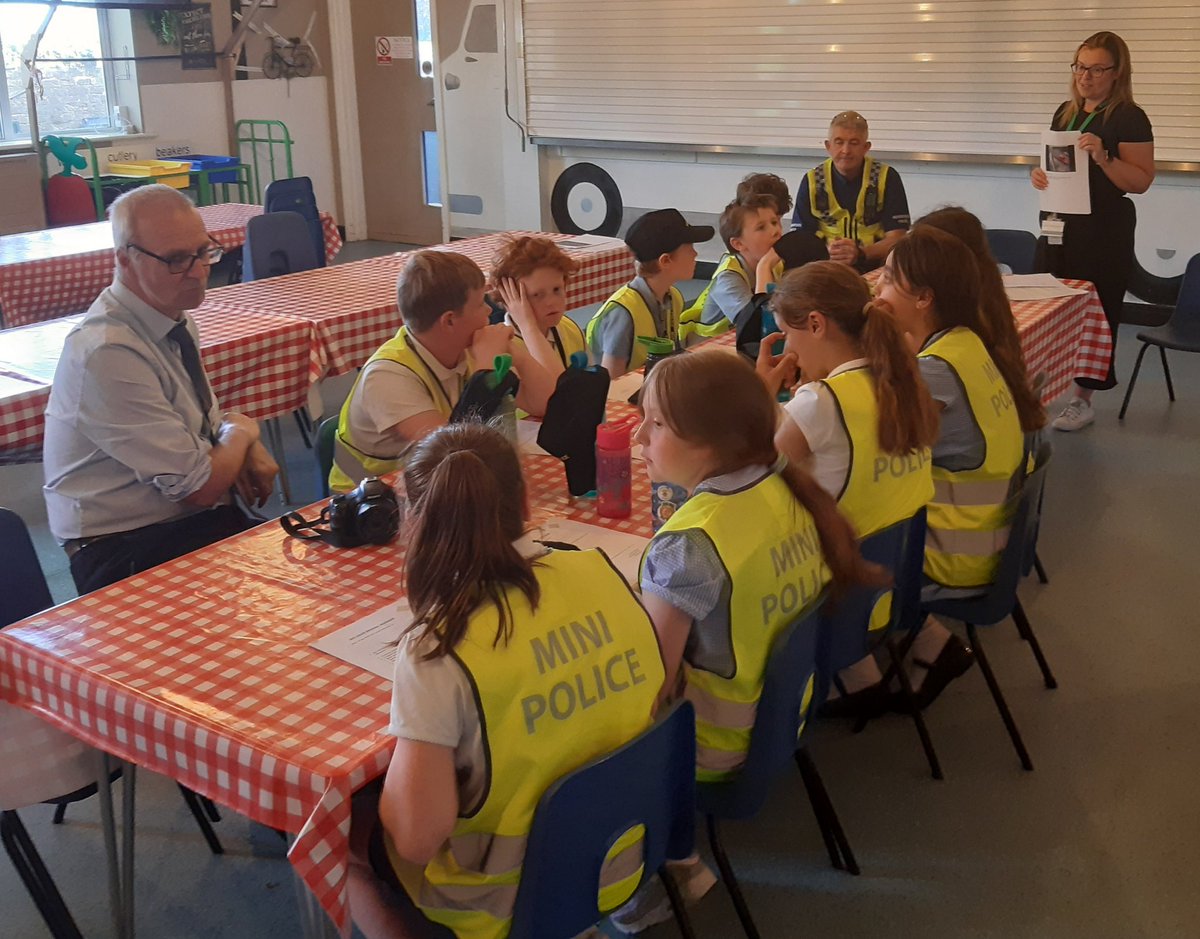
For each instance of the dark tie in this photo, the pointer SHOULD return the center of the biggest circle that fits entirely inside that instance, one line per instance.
(191, 361)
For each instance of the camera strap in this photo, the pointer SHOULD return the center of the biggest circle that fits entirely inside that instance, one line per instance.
(298, 526)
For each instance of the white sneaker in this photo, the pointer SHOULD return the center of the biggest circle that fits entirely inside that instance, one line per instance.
(651, 905)
(1075, 416)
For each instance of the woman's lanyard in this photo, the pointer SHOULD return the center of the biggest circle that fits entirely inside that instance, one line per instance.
(1090, 118)
(436, 383)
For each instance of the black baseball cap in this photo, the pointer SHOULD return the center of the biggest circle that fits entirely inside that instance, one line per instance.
(661, 232)
(797, 248)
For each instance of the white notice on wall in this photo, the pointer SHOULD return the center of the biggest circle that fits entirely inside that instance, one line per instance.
(402, 47)
(370, 642)
(1066, 167)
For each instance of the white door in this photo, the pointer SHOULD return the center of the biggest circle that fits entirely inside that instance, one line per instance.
(491, 171)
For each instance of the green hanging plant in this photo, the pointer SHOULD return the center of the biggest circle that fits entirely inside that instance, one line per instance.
(165, 26)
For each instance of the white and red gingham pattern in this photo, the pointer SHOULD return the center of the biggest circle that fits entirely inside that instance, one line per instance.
(61, 271)
(1066, 338)
(22, 410)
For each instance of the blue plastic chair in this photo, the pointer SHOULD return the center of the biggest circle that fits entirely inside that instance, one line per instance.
(1001, 600)
(775, 741)
(1181, 332)
(24, 585)
(276, 244)
(651, 781)
(899, 548)
(1013, 247)
(296, 195)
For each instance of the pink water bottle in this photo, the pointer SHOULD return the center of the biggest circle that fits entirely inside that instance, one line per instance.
(613, 471)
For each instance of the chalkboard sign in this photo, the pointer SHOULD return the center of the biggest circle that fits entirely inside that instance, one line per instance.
(196, 45)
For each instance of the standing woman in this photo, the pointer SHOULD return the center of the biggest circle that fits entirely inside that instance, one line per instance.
(1120, 144)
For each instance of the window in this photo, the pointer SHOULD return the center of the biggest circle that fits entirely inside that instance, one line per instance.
(424, 39)
(77, 95)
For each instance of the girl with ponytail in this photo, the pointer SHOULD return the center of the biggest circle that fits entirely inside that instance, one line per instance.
(931, 282)
(863, 424)
(521, 664)
(756, 543)
(998, 328)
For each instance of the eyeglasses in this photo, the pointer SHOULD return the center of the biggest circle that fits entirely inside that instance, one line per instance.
(1095, 71)
(182, 263)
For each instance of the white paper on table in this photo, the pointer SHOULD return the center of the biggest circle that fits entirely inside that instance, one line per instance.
(625, 551)
(1066, 167)
(369, 642)
(588, 241)
(1037, 287)
(527, 432)
(622, 388)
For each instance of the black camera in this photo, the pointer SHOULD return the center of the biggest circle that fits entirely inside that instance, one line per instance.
(368, 515)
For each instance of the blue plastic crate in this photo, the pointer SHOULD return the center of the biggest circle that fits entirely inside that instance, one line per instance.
(202, 162)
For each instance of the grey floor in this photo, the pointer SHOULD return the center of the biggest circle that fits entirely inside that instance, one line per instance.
(1099, 841)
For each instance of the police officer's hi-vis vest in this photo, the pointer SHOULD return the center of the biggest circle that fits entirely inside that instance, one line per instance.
(879, 489)
(352, 465)
(768, 545)
(970, 512)
(578, 679)
(868, 209)
(643, 321)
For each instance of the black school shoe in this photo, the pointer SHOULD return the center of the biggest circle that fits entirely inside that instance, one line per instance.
(954, 659)
(868, 703)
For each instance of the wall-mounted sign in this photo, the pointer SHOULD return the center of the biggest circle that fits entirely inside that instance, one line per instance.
(196, 47)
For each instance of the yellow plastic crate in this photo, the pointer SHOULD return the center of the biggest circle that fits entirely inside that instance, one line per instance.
(173, 173)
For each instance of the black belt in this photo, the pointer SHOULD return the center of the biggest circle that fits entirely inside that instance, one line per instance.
(74, 545)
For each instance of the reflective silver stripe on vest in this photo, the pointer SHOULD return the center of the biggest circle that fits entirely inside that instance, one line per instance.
(718, 761)
(978, 544)
(493, 855)
(983, 492)
(345, 460)
(493, 899)
(720, 712)
(497, 900)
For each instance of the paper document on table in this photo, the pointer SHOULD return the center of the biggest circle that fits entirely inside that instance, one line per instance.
(1037, 287)
(588, 241)
(622, 388)
(527, 432)
(369, 642)
(625, 551)
(1066, 166)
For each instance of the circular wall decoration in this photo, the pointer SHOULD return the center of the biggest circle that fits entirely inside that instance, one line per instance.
(586, 201)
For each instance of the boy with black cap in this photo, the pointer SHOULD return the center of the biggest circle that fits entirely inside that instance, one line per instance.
(650, 304)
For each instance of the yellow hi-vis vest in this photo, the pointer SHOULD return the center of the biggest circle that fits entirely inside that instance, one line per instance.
(566, 338)
(768, 545)
(643, 321)
(690, 321)
(578, 678)
(868, 209)
(352, 465)
(880, 489)
(969, 515)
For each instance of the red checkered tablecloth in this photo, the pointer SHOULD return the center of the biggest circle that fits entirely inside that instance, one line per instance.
(353, 306)
(1066, 338)
(259, 364)
(60, 271)
(201, 670)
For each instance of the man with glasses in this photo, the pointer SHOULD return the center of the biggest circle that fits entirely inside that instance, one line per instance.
(140, 462)
(855, 204)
